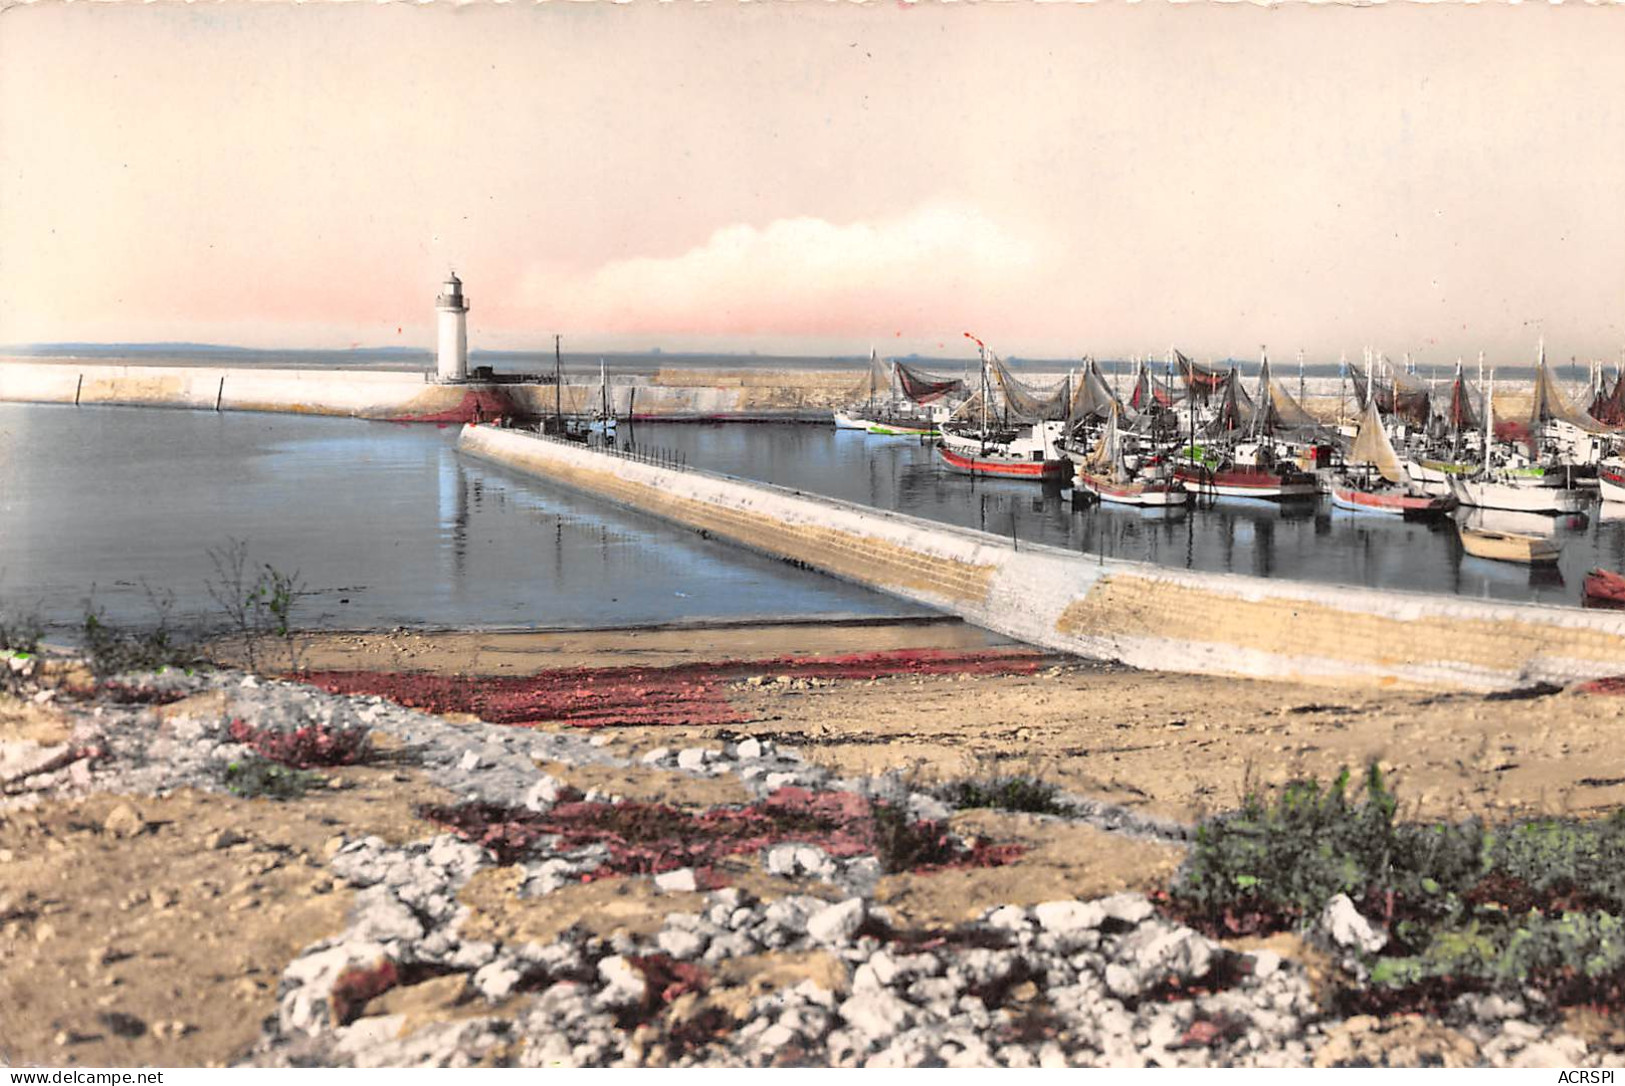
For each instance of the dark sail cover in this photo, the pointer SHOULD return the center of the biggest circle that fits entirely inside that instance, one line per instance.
(1466, 410)
(1027, 404)
(1150, 392)
(1403, 394)
(1609, 407)
(1093, 397)
(1202, 381)
(923, 387)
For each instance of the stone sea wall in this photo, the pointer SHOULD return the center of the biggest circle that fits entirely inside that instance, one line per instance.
(1140, 614)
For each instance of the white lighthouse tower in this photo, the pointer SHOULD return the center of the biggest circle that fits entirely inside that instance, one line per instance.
(451, 310)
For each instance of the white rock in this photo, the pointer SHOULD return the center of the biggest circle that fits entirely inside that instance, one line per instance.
(1265, 963)
(470, 760)
(749, 748)
(691, 758)
(876, 1015)
(1344, 925)
(1129, 908)
(1066, 917)
(624, 984)
(656, 756)
(1008, 918)
(543, 794)
(680, 881)
(496, 980)
(836, 925)
(680, 944)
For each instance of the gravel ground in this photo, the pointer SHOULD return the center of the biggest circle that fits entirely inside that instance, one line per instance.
(780, 955)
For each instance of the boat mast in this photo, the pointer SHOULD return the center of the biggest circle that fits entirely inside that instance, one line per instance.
(1489, 417)
(558, 387)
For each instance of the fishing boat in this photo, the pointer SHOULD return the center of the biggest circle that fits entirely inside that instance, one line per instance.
(1604, 586)
(912, 406)
(1611, 480)
(1022, 439)
(1252, 470)
(1259, 433)
(603, 419)
(906, 419)
(1105, 474)
(1029, 452)
(1521, 547)
(1385, 489)
(1495, 489)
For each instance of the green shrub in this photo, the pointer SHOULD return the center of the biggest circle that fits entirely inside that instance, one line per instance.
(255, 777)
(1004, 793)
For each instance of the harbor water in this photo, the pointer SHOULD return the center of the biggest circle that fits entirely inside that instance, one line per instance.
(385, 524)
(388, 526)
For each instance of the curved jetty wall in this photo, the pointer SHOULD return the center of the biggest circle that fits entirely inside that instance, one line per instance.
(670, 394)
(1133, 612)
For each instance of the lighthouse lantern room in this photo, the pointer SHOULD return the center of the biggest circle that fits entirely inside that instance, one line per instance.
(451, 310)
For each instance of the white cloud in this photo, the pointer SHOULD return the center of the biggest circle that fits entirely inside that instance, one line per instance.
(941, 262)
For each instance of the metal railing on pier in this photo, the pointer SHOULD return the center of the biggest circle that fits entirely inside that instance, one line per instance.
(654, 455)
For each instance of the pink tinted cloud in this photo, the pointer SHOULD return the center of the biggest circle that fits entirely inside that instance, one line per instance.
(937, 265)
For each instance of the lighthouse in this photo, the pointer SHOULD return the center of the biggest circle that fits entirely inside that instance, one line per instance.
(451, 310)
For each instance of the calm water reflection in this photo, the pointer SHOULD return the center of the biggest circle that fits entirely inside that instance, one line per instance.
(388, 523)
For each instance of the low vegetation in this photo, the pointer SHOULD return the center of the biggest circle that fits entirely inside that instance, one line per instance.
(1004, 793)
(1467, 906)
(256, 778)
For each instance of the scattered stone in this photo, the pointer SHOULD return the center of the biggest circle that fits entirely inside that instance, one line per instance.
(749, 749)
(837, 924)
(1344, 926)
(223, 838)
(680, 881)
(125, 821)
(121, 1024)
(692, 758)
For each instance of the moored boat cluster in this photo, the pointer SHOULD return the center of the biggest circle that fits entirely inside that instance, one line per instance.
(1195, 434)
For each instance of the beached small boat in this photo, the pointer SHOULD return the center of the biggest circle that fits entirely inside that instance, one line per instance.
(1604, 586)
(1523, 548)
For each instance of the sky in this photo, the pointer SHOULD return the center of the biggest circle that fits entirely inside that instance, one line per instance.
(1058, 179)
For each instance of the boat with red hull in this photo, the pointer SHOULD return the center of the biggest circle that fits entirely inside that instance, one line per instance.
(1605, 587)
(1394, 501)
(973, 463)
(1270, 484)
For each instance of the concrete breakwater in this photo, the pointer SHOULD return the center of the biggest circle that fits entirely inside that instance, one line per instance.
(669, 394)
(1144, 615)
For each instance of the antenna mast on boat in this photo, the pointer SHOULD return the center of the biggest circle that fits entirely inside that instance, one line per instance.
(558, 387)
(1489, 417)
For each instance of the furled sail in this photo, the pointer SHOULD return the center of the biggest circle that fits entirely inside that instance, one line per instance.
(1093, 397)
(1551, 404)
(876, 381)
(1104, 458)
(1463, 415)
(1026, 403)
(922, 387)
(1235, 408)
(1372, 445)
(1277, 410)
